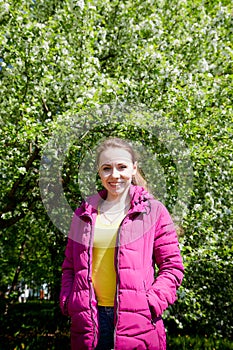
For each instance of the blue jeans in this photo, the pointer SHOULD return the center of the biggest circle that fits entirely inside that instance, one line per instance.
(106, 322)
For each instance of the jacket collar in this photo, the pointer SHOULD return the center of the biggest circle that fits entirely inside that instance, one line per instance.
(139, 201)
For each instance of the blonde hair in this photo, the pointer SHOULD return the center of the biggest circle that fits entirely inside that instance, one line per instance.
(115, 142)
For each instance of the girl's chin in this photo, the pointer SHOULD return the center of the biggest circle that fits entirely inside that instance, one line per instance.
(116, 191)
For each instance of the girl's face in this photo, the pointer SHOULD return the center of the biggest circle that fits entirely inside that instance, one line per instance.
(116, 170)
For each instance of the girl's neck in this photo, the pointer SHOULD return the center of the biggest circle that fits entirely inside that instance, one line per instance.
(119, 201)
(113, 210)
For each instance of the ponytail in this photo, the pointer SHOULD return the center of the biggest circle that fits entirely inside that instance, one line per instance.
(139, 179)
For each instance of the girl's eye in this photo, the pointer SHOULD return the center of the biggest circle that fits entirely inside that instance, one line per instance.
(123, 167)
(106, 168)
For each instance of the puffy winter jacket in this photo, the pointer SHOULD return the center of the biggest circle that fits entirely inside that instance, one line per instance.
(146, 237)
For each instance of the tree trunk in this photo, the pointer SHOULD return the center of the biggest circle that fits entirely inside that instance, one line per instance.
(18, 268)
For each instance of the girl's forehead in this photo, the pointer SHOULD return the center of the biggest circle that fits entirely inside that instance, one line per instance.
(112, 155)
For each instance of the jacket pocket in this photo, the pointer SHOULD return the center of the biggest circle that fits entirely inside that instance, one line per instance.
(153, 317)
(70, 303)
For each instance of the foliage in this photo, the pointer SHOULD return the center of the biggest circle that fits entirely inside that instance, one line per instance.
(197, 342)
(34, 327)
(171, 58)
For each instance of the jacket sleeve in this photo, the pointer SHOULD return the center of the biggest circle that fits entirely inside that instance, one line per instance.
(67, 277)
(169, 262)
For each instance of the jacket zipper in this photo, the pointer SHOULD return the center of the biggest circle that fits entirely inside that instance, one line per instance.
(118, 278)
(118, 274)
(90, 283)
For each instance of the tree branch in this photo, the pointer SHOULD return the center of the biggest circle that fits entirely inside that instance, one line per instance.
(12, 192)
(12, 200)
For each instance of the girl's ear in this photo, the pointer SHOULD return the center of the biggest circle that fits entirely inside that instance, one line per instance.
(135, 168)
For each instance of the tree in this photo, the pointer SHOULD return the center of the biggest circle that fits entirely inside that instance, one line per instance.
(63, 59)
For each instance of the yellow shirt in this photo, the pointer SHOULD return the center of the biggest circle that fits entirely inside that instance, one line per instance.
(103, 269)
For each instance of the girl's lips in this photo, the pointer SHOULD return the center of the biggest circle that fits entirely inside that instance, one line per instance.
(115, 183)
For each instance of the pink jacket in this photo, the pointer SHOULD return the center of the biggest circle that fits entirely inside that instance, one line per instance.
(146, 237)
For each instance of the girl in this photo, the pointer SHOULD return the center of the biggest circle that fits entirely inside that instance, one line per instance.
(117, 237)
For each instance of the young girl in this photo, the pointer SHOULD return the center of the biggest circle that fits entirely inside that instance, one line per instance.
(109, 285)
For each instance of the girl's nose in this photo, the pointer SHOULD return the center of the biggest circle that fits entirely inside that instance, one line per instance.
(115, 172)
